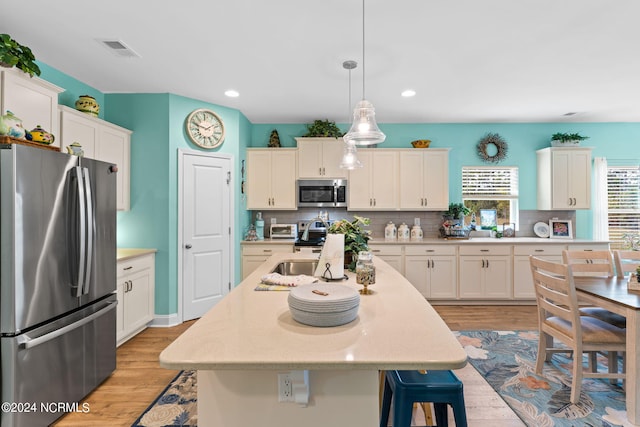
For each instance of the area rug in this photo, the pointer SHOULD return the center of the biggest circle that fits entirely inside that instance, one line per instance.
(175, 406)
(506, 359)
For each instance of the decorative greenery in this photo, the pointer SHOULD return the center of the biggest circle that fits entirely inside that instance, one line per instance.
(323, 128)
(495, 140)
(567, 137)
(13, 54)
(455, 209)
(355, 236)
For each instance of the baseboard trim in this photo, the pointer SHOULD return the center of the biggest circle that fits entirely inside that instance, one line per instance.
(165, 321)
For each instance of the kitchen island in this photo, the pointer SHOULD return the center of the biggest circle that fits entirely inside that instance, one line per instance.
(241, 345)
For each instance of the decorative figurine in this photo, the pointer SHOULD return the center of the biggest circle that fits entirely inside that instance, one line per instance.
(38, 134)
(274, 139)
(75, 149)
(11, 125)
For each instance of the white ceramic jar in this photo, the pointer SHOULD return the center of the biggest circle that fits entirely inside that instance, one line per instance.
(403, 232)
(390, 231)
(416, 232)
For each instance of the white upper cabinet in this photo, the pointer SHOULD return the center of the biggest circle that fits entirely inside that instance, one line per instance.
(564, 178)
(320, 158)
(424, 179)
(100, 140)
(375, 185)
(31, 99)
(271, 178)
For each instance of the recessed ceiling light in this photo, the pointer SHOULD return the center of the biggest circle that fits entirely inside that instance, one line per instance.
(232, 93)
(408, 93)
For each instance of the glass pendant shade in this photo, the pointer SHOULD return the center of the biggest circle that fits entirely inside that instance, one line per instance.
(350, 157)
(364, 130)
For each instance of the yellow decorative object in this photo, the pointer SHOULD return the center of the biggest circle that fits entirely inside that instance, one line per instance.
(421, 143)
(38, 134)
(87, 104)
(75, 149)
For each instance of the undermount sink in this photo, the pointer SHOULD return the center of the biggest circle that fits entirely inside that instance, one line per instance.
(293, 268)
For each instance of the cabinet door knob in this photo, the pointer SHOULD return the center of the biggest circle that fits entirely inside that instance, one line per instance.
(188, 246)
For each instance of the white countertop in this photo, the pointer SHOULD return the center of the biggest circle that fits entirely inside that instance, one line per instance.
(128, 253)
(396, 328)
(486, 241)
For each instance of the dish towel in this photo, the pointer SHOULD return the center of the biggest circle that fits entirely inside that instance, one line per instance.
(279, 279)
(331, 265)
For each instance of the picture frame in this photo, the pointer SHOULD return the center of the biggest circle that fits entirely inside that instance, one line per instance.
(560, 229)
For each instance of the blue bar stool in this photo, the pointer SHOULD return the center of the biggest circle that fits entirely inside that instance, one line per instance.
(406, 387)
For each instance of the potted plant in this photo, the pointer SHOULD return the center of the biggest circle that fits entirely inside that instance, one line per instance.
(455, 209)
(323, 129)
(13, 54)
(561, 139)
(355, 238)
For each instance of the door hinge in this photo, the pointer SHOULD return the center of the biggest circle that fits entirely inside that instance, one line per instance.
(228, 177)
(229, 231)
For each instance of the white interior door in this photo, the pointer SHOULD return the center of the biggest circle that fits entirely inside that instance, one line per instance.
(206, 236)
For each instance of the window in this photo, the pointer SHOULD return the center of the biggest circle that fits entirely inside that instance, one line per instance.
(623, 187)
(491, 188)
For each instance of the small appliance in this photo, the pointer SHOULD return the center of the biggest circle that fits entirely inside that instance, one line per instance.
(283, 231)
(321, 193)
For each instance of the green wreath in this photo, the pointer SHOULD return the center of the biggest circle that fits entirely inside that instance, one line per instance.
(497, 141)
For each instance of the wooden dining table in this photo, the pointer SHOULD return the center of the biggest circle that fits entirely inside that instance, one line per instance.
(613, 294)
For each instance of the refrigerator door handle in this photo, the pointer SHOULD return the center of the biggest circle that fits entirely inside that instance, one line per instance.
(25, 342)
(89, 226)
(82, 230)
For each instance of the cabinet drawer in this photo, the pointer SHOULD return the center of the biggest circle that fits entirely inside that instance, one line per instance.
(485, 250)
(386, 249)
(538, 249)
(134, 265)
(266, 249)
(430, 250)
(590, 247)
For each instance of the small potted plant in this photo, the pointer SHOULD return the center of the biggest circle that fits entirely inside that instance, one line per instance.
(323, 129)
(13, 54)
(561, 139)
(355, 238)
(455, 209)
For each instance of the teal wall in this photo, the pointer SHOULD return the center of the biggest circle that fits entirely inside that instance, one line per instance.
(157, 122)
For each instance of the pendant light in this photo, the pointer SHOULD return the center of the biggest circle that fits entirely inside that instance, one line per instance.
(364, 129)
(350, 156)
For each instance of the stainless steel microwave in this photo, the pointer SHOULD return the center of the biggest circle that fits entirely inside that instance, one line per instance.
(322, 193)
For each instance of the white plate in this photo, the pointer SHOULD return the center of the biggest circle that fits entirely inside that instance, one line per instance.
(541, 229)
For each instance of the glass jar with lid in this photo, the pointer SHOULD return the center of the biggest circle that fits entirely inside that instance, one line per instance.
(365, 271)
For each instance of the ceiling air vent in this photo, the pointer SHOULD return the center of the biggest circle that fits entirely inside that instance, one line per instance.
(118, 47)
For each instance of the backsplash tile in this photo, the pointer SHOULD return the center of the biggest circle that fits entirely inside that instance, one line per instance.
(430, 221)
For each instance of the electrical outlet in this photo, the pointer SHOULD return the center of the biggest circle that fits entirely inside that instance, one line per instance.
(285, 388)
(274, 221)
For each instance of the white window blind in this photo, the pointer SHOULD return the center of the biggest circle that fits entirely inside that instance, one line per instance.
(489, 183)
(623, 185)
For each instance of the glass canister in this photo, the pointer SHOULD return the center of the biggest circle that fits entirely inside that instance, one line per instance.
(365, 270)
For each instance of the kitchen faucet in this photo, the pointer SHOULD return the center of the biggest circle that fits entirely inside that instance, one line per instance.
(305, 235)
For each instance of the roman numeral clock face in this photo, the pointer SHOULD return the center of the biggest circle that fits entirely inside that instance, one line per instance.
(205, 128)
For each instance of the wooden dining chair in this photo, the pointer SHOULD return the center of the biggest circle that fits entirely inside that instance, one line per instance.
(598, 264)
(626, 262)
(559, 318)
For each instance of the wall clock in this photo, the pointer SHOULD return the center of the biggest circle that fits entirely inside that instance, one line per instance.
(205, 128)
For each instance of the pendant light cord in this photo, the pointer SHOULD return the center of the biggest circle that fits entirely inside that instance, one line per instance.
(363, 79)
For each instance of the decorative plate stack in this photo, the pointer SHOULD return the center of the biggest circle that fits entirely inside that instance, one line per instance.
(324, 304)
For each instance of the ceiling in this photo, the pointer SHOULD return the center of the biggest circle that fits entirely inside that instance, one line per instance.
(468, 60)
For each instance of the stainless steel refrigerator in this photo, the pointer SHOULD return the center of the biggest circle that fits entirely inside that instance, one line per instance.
(58, 278)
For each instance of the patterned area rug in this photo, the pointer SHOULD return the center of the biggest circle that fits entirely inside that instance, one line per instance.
(176, 405)
(506, 359)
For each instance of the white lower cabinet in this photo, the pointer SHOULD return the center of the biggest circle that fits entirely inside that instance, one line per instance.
(432, 270)
(136, 295)
(485, 272)
(255, 254)
(391, 254)
(522, 277)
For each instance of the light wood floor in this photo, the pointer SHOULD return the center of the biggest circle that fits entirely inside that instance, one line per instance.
(139, 379)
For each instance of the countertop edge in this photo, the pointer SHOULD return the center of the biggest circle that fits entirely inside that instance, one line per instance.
(123, 254)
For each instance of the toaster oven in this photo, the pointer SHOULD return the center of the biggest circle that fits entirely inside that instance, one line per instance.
(283, 231)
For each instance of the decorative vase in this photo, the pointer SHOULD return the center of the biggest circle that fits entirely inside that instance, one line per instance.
(11, 125)
(87, 104)
(75, 149)
(38, 134)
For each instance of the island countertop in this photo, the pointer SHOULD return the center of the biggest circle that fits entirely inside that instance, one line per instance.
(396, 328)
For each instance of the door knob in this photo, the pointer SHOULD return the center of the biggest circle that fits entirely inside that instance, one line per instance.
(187, 246)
